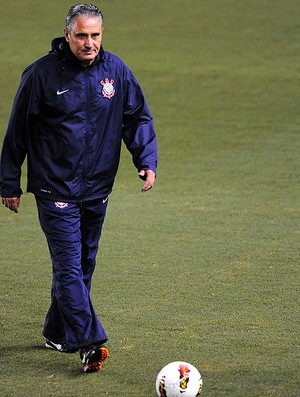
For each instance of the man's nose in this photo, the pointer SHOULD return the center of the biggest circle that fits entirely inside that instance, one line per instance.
(88, 42)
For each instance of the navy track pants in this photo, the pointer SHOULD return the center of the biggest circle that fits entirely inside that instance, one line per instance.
(73, 232)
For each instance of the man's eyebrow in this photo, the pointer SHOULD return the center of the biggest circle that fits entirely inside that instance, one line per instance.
(86, 34)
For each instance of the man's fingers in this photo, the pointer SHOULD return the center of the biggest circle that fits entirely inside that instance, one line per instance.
(11, 203)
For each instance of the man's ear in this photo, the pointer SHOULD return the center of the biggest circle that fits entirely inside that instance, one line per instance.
(66, 34)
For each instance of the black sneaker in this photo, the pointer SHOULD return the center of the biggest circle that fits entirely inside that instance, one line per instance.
(61, 347)
(93, 356)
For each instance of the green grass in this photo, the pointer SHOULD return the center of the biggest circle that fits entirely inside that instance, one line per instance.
(204, 268)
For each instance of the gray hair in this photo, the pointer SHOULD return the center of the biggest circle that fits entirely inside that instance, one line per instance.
(79, 10)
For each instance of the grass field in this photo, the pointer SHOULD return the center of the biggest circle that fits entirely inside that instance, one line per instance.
(204, 268)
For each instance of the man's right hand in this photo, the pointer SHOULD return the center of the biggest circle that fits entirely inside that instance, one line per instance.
(12, 203)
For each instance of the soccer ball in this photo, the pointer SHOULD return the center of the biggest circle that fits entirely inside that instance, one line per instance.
(179, 379)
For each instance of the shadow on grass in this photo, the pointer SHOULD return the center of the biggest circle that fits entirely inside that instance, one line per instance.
(41, 361)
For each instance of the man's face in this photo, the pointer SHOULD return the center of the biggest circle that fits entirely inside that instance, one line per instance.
(85, 38)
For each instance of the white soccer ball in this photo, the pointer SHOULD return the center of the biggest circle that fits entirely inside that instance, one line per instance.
(179, 379)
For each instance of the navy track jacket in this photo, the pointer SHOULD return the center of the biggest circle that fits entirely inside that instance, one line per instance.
(70, 122)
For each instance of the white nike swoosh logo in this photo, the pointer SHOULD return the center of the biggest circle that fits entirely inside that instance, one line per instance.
(61, 92)
(104, 200)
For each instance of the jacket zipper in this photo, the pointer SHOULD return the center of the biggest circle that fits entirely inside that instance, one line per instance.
(87, 131)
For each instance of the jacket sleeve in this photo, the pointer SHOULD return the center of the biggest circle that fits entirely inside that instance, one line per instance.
(138, 128)
(14, 145)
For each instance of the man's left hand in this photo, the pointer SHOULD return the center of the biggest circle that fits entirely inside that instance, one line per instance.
(149, 177)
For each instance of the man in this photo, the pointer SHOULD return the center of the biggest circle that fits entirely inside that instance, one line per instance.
(71, 112)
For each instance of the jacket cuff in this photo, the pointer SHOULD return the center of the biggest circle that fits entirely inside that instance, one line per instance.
(7, 192)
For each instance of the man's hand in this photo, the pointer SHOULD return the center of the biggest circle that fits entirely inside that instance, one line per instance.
(12, 203)
(149, 177)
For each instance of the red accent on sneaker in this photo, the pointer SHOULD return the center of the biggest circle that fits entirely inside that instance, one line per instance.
(93, 359)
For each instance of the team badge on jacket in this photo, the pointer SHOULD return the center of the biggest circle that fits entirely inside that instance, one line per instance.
(59, 204)
(108, 90)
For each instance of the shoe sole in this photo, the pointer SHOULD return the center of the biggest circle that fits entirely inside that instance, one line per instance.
(54, 346)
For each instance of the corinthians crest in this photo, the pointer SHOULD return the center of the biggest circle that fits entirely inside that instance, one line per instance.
(108, 90)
